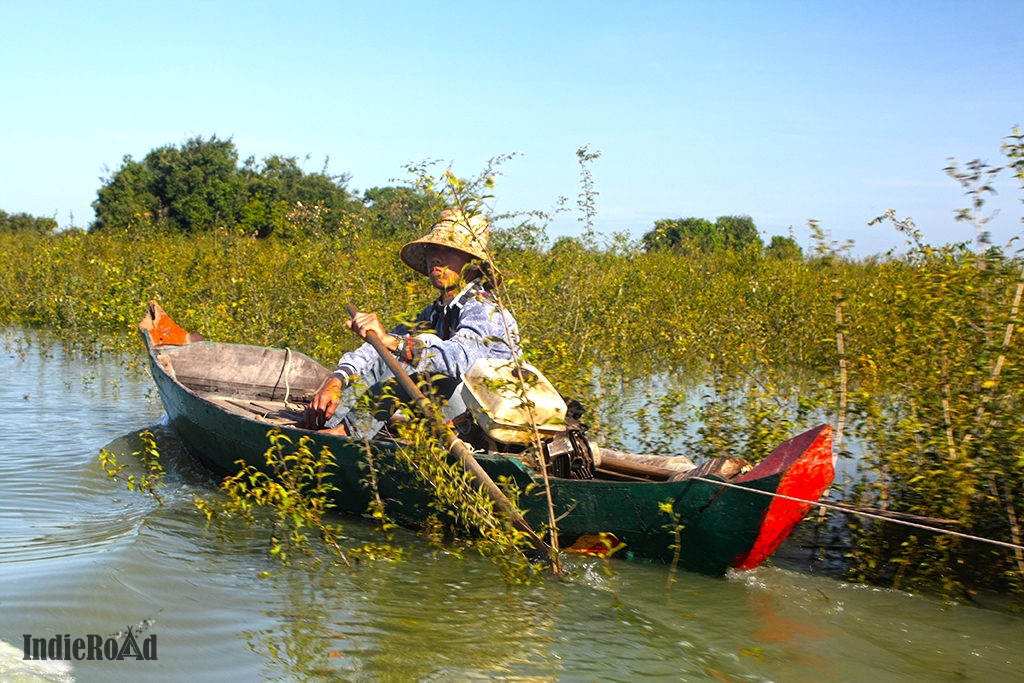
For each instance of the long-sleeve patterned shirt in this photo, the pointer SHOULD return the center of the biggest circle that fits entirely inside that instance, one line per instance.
(445, 340)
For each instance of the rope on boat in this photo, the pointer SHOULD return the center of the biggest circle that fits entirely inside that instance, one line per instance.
(287, 364)
(287, 385)
(838, 508)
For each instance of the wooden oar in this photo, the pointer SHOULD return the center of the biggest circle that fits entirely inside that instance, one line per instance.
(457, 445)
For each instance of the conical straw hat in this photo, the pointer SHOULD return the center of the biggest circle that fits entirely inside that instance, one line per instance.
(453, 230)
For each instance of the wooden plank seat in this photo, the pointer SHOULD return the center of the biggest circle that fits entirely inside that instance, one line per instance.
(272, 412)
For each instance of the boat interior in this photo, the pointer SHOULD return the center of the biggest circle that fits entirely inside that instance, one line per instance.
(275, 385)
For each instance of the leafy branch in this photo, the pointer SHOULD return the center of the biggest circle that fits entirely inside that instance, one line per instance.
(149, 456)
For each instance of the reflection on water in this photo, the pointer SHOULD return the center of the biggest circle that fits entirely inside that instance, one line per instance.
(80, 555)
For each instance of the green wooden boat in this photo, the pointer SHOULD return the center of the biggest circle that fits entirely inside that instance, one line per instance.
(222, 399)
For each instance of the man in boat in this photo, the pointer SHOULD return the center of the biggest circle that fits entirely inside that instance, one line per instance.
(463, 325)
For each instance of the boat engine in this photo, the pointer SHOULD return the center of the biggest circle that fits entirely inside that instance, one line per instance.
(508, 405)
(569, 455)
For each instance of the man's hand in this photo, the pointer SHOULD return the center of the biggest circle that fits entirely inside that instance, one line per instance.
(364, 323)
(323, 405)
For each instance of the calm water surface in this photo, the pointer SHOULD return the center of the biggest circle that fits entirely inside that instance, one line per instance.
(79, 555)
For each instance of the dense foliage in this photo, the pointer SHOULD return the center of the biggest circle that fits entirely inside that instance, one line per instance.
(915, 358)
(727, 232)
(23, 222)
(201, 187)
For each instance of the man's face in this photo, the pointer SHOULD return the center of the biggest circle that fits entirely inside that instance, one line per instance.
(444, 266)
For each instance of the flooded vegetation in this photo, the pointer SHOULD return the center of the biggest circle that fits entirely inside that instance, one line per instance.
(680, 346)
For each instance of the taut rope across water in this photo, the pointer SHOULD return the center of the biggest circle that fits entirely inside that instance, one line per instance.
(871, 515)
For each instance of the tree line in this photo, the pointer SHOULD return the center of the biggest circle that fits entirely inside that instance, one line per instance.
(23, 222)
(200, 186)
(735, 233)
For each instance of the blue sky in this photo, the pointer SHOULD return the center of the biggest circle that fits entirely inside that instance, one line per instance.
(784, 111)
